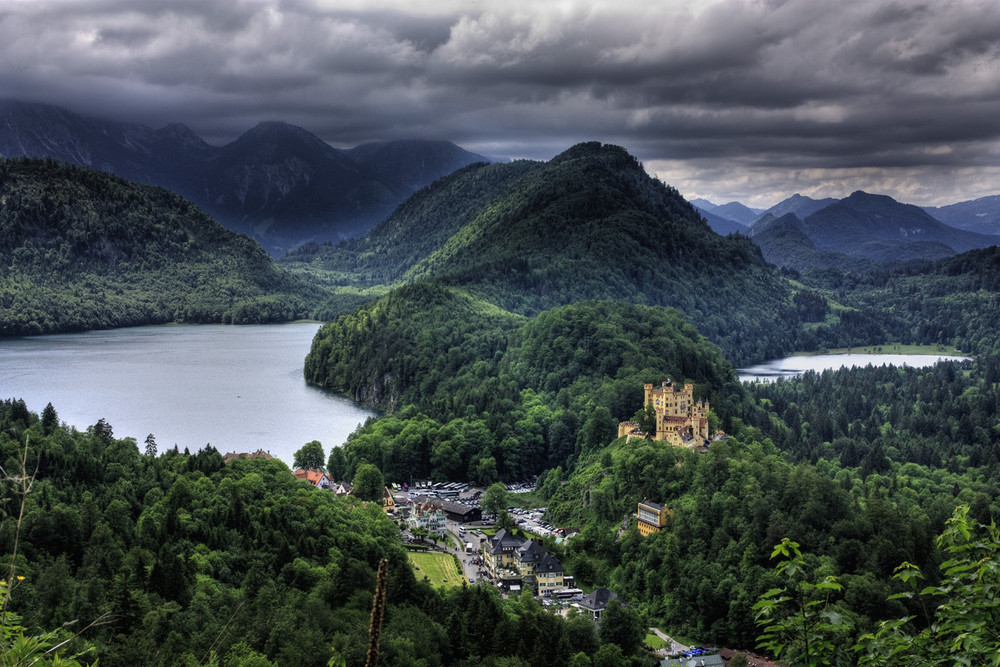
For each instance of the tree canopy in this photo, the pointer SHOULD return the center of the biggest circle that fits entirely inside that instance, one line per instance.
(310, 456)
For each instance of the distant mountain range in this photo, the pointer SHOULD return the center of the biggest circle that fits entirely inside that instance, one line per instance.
(979, 215)
(861, 232)
(278, 183)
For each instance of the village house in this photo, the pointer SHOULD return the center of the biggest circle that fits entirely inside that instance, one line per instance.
(652, 517)
(430, 518)
(509, 557)
(317, 478)
(680, 420)
(461, 512)
(595, 603)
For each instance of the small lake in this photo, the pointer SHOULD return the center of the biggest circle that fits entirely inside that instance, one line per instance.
(769, 371)
(238, 388)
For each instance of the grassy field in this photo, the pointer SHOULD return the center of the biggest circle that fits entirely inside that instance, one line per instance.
(437, 567)
(654, 641)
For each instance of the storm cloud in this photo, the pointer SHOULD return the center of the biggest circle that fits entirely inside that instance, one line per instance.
(747, 100)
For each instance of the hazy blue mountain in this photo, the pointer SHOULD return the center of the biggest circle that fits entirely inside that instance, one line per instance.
(720, 225)
(704, 204)
(799, 205)
(285, 185)
(278, 183)
(784, 242)
(416, 163)
(879, 227)
(738, 212)
(978, 215)
(135, 152)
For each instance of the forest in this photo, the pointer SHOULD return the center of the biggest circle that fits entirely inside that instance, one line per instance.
(173, 558)
(81, 250)
(475, 393)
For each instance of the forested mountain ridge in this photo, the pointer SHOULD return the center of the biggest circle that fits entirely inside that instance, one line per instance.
(86, 250)
(283, 195)
(589, 224)
(954, 301)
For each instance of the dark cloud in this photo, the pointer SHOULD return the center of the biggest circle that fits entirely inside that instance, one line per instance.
(725, 99)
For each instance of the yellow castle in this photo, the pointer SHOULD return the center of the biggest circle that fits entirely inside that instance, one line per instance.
(680, 420)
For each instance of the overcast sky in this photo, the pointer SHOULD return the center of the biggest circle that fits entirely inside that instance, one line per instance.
(728, 100)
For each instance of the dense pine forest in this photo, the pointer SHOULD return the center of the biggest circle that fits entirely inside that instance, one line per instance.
(82, 250)
(505, 320)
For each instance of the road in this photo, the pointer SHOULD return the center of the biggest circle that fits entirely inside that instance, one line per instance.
(469, 569)
(672, 646)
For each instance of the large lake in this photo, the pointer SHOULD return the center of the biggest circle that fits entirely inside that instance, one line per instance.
(238, 388)
(797, 365)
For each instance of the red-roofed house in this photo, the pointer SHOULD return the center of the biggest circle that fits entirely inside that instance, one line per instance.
(317, 478)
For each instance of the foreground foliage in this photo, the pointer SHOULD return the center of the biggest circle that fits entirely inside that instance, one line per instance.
(957, 620)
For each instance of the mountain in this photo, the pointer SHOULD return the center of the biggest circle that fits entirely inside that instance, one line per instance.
(799, 205)
(588, 224)
(83, 249)
(134, 152)
(738, 212)
(722, 226)
(784, 242)
(979, 215)
(879, 227)
(278, 183)
(414, 163)
(704, 204)
(283, 184)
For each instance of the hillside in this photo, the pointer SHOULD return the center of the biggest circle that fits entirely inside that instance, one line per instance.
(979, 215)
(85, 250)
(481, 393)
(954, 301)
(588, 224)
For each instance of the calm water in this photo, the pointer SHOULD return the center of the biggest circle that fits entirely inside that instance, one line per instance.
(239, 388)
(792, 366)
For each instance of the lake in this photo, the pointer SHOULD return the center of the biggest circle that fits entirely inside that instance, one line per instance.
(769, 371)
(238, 388)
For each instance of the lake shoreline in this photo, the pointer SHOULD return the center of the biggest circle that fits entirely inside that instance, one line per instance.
(797, 364)
(888, 348)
